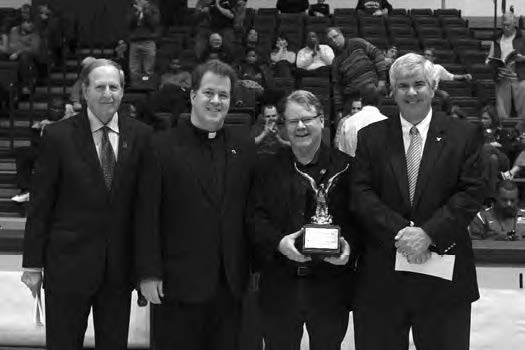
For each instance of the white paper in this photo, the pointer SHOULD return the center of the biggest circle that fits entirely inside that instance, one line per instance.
(40, 315)
(320, 237)
(441, 266)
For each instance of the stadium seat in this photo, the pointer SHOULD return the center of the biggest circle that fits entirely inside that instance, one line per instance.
(399, 12)
(448, 22)
(470, 57)
(485, 90)
(291, 19)
(371, 21)
(399, 21)
(436, 43)
(454, 33)
(429, 32)
(422, 12)
(380, 42)
(267, 12)
(454, 68)
(456, 88)
(344, 12)
(407, 44)
(470, 106)
(265, 23)
(426, 21)
(401, 31)
(345, 21)
(446, 56)
(373, 31)
(447, 13)
(460, 44)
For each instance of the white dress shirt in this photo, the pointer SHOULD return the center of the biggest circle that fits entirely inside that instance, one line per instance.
(422, 127)
(351, 126)
(96, 130)
(324, 57)
(440, 73)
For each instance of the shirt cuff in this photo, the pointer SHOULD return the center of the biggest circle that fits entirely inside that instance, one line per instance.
(32, 269)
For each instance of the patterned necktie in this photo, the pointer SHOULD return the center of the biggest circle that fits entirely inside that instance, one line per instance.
(107, 158)
(413, 158)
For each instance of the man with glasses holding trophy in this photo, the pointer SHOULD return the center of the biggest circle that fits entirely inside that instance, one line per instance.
(302, 234)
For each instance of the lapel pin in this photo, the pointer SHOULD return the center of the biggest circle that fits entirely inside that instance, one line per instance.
(438, 139)
(124, 144)
(234, 151)
(323, 171)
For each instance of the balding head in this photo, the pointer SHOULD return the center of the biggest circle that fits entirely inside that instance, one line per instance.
(508, 24)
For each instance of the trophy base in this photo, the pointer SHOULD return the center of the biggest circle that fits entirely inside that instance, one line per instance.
(321, 240)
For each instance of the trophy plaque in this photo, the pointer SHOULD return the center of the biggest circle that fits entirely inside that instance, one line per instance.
(321, 237)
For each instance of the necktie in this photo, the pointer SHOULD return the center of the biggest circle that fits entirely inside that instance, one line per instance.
(107, 158)
(413, 158)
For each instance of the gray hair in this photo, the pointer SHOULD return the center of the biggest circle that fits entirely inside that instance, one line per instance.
(509, 16)
(409, 63)
(304, 98)
(100, 62)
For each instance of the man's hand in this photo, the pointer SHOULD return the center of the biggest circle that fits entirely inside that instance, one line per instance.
(381, 86)
(287, 248)
(13, 56)
(33, 281)
(342, 259)
(412, 241)
(420, 258)
(152, 290)
(378, 13)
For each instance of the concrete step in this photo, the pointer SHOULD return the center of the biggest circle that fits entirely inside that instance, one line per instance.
(83, 52)
(53, 90)
(12, 223)
(6, 144)
(36, 105)
(6, 123)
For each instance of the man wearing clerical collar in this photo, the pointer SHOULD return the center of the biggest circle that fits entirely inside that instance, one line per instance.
(302, 185)
(191, 256)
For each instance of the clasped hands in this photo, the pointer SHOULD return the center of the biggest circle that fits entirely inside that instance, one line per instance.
(413, 243)
(288, 249)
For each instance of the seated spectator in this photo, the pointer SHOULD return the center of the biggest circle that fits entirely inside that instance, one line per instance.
(440, 73)
(239, 16)
(27, 156)
(24, 47)
(251, 41)
(120, 55)
(214, 16)
(176, 75)
(144, 29)
(320, 9)
(76, 97)
(370, 114)
(314, 59)
(281, 58)
(503, 221)
(351, 107)
(373, 7)
(268, 133)
(4, 42)
(216, 50)
(252, 81)
(292, 6)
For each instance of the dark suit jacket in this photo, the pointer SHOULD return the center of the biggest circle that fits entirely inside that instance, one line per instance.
(183, 234)
(282, 202)
(76, 229)
(448, 195)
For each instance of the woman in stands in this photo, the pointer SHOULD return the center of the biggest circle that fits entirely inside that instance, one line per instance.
(282, 59)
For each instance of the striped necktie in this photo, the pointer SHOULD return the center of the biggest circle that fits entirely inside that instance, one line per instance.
(413, 158)
(107, 158)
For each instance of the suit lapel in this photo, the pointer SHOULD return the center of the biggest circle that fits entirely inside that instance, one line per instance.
(88, 152)
(436, 139)
(397, 157)
(125, 143)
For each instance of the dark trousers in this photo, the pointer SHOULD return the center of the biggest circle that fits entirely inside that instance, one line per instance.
(283, 326)
(433, 328)
(67, 315)
(25, 162)
(211, 325)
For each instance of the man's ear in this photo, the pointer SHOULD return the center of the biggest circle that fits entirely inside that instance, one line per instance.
(192, 96)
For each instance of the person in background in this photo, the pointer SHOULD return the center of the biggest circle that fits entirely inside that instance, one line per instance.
(373, 7)
(144, 29)
(268, 132)
(351, 107)
(369, 114)
(504, 220)
(75, 97)
(442, 74)
(24, 47)
(320, 9)
(315, 59)
(507, 57)
(292, 6)
(357, 64)
(216, 50)
(281, 58)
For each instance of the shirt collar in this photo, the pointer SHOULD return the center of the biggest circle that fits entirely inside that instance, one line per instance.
(95, 123)
(422, 126)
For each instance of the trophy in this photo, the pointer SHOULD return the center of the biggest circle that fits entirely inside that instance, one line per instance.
(320, 237)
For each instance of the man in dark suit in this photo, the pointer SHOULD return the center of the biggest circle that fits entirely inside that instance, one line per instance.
(191, 251)
(415, 198)
(79, 224)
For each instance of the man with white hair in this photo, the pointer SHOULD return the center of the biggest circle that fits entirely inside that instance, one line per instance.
(507, 56)
(416, 186)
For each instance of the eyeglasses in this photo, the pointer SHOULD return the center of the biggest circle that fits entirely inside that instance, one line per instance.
(305, 120)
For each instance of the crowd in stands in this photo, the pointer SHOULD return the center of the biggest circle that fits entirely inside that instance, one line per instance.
(356, 69)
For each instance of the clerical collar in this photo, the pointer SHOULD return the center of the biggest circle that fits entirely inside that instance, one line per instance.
(205, 134)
